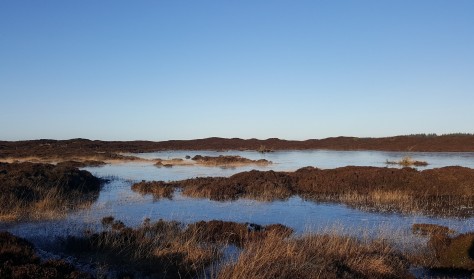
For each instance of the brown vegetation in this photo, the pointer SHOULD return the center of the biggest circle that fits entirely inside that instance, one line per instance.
(317, 256)
(109, 150)
(18, 260)
(165, 249)
(444, 191)
(32, 190)
(228, 161)
(168, 249)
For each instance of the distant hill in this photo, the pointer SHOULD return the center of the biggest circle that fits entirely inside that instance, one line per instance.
(81, 147)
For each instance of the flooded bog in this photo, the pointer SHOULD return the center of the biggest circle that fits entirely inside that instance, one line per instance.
(117, 199)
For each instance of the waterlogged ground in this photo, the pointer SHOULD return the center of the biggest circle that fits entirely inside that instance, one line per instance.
(118, 200)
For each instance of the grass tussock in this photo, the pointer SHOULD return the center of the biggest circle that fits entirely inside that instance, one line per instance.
(19, 260)
(38, 191)
(407, 161)
(165, 249)
(317, 256)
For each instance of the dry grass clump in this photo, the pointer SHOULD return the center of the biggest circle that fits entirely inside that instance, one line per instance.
(19, 260)
(407, 161)
(157, 188)
(317, 256)
(164, 249)
(37, 191)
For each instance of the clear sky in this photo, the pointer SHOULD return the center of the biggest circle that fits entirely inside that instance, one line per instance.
(157, 70)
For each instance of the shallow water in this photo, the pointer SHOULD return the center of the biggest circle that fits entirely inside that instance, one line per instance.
(118, 200)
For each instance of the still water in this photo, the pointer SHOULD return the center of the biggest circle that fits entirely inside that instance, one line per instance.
(118, 200)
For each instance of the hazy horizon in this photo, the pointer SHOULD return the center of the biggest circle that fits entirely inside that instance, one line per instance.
(156, 70)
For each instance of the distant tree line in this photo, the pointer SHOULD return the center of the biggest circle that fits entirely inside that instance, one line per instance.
(436, 135)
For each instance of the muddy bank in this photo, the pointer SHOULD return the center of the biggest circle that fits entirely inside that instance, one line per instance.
(447, 191)
(18, 259)
(110, 150)
(35, 191)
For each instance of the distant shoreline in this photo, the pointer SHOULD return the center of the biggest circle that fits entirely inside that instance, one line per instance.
(110, 149)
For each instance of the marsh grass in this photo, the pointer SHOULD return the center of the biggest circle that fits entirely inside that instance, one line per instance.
(51, 204)
(167, 249)
(317, 256)
(164, 249)
(42, 191)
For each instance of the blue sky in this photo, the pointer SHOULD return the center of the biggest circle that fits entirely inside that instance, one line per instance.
(157, 70)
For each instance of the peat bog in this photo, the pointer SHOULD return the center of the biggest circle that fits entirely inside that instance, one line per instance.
(168, 248)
